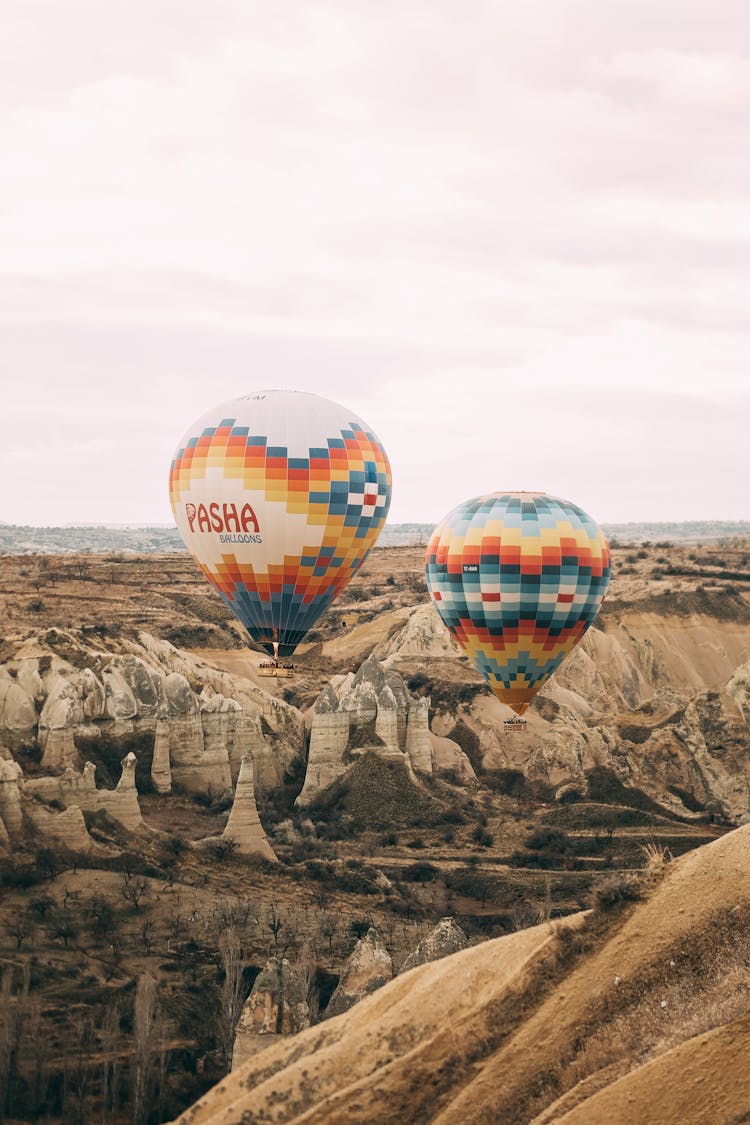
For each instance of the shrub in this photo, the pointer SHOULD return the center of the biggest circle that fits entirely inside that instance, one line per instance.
(482, 836)
(545, 838)
(421, 873)
(512, 783)
(614, 889)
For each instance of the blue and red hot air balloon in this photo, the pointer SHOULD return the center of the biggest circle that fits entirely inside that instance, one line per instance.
(517, 577)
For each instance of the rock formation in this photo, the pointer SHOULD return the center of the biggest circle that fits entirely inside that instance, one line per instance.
(69, 699)
(19, 811)
(244, 828)
(65, 829)
(419, 744)
(74, 789)
(18, 714)
(368, 968)
(271, 730)
(446, 938)
(371, 710)
(161, 766)
(122, 804)
(11, 817)
(423, 635)
(663, 703)
(277, 1006)
(449, 759)
(196, 767)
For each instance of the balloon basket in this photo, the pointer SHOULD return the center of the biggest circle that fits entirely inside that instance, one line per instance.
(278, 671)
(515, 725)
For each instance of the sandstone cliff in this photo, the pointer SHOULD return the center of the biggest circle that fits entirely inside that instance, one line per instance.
(61, 695)
(277, 1007)
(368, 968)
(372, 711)
(78, 710)
(661, 701)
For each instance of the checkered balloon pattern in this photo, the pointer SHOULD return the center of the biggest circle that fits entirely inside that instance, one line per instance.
(280, 496)
(517, 577)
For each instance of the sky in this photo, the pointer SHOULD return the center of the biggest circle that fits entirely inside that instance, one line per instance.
(513, 237)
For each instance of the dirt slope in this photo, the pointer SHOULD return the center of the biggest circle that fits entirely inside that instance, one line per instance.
(588, 1013)
(705, 1079)
(411, 1023)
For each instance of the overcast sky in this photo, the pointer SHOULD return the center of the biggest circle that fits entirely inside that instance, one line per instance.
(513, 236)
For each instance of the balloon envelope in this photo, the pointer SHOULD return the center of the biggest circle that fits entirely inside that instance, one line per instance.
(279, 496)
(517, 577)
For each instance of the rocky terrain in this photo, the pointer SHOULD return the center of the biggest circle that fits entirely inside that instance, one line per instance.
(637, 1010)
(183, 836)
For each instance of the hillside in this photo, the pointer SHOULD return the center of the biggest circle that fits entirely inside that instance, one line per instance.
(637, 1011)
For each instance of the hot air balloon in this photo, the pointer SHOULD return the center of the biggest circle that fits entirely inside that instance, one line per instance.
(279, 496)
(517, 577)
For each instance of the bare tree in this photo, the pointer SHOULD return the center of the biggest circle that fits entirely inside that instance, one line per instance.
(64, 926)
(275, 924)
(134, 890)
(329, 928)
(232, 993)
(21, 927)
(80, 1042)
(144, 1033)
(110, 1041)
(321, 896)
(148, 930)
(16, 1008)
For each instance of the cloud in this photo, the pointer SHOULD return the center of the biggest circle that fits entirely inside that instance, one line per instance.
(454, 221)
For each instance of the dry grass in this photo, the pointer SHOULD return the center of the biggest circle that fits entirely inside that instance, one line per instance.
(681, 997)
(656, 856)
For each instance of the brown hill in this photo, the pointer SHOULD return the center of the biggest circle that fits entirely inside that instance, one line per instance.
(634, 1012)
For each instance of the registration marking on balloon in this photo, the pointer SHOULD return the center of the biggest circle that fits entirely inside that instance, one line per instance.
(517, 578)
(280, 519)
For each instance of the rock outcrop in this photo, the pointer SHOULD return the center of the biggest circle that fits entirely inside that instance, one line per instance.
(244, 829)
(11, 816)
(269, 729)
(65, 829)
(423, 635)
(161, 764)
(197, 767)
(419, 743)
(18, 715)
(70, 699)
(78, 789)
(446, 938)
(20, 813)
(609, 707)
(371, 711)
(368, 968)
(277, 1006)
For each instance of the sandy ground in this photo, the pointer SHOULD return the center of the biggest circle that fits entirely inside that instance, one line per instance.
(704, 1080)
